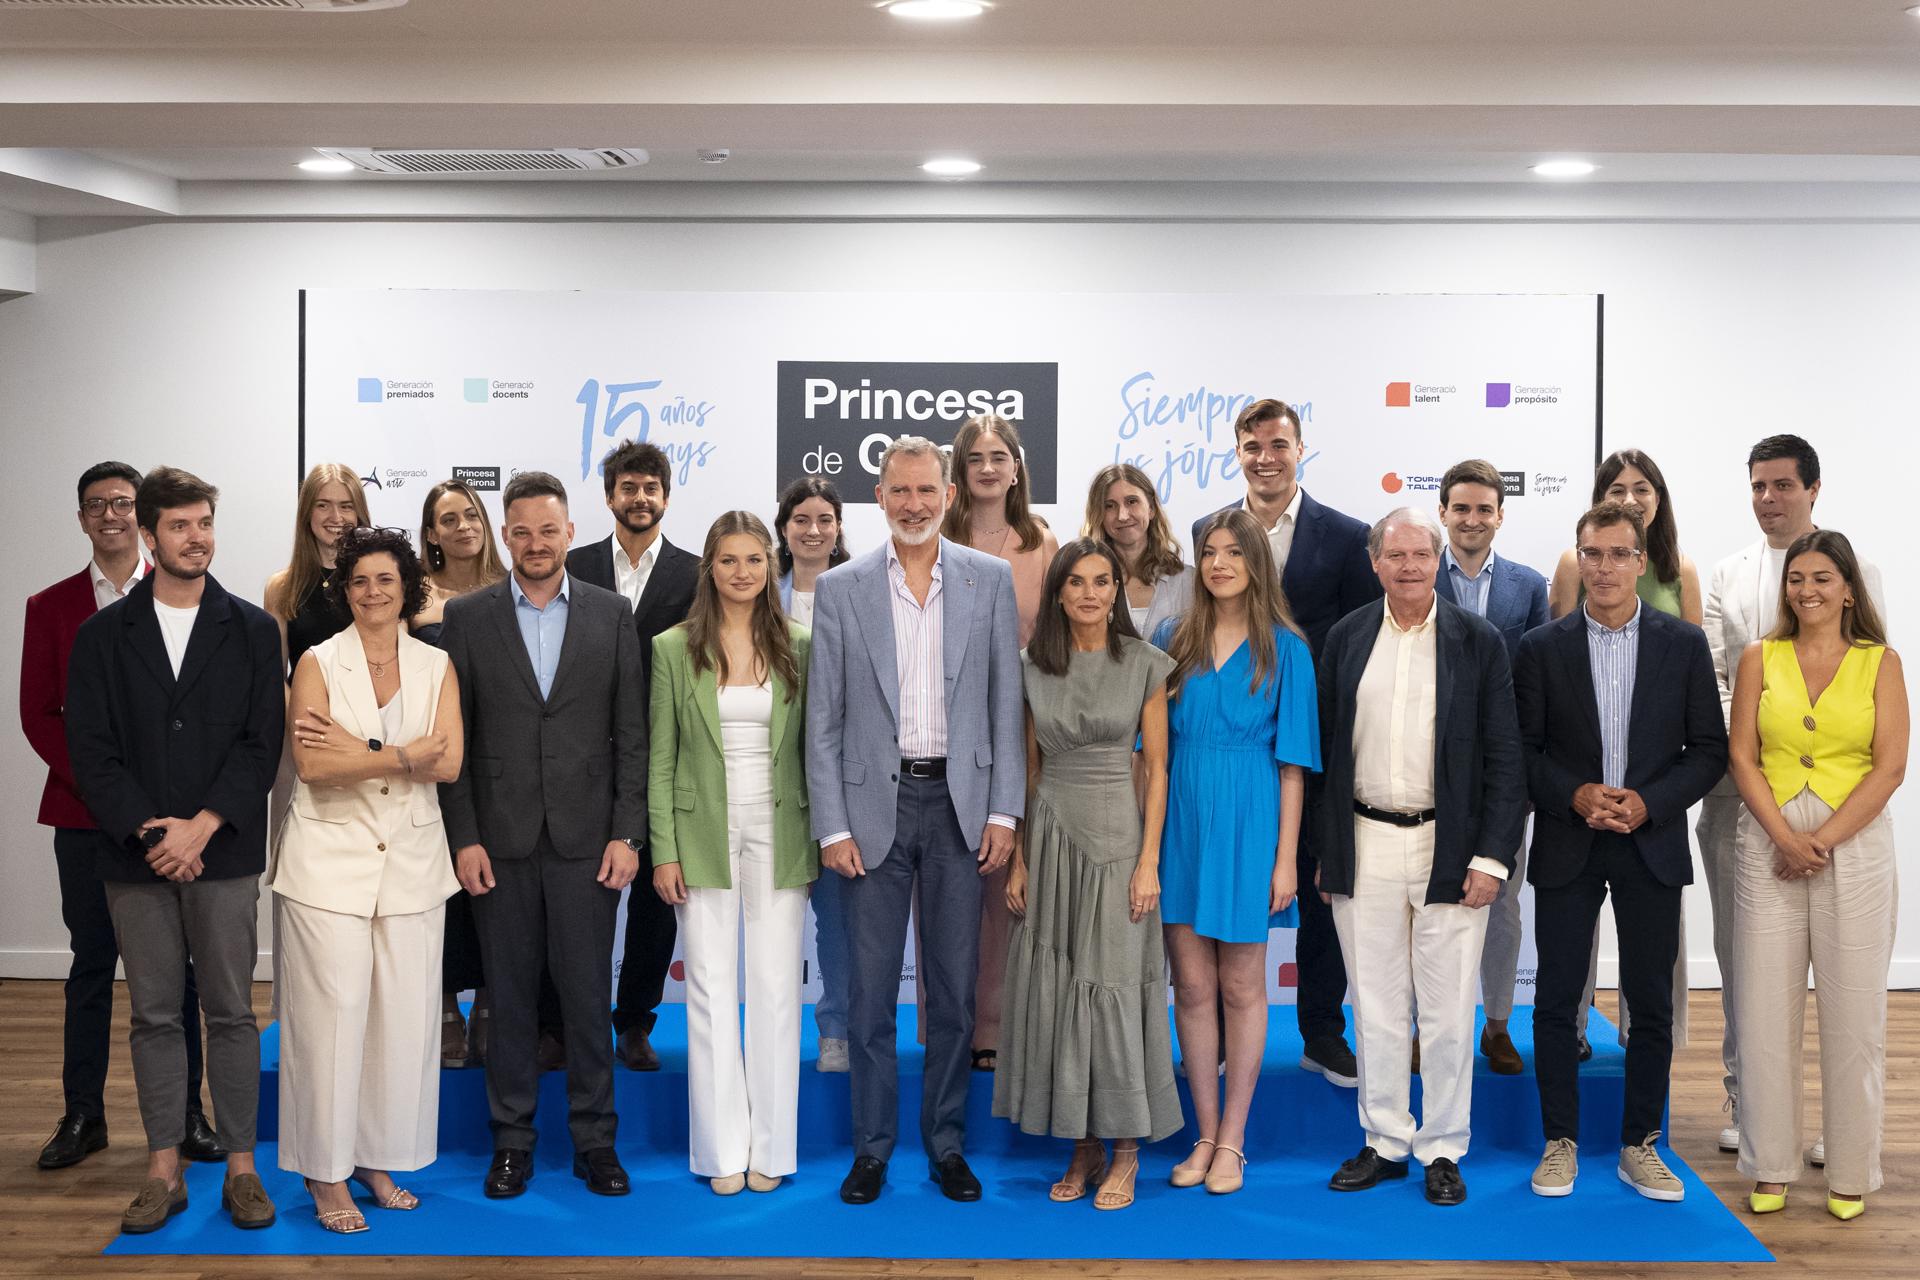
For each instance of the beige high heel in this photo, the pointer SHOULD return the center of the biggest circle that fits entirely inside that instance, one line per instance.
(1067, 1190)
(398, 1198)
(1232, 1182)
(345, 1222)
(1185, 1177)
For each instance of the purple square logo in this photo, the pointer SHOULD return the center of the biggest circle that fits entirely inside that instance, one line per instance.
(1499, 395)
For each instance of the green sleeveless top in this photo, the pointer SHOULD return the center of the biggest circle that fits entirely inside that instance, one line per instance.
(1664, 596)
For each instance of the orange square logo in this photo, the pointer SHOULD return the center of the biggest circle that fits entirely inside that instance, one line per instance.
(1399, 395)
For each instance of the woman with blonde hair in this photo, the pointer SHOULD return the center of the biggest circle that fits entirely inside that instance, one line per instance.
(1124, 512)
(727, 823)
(1244, 729)
(332, 501)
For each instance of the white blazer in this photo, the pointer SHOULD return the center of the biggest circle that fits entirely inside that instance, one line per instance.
(375, 847)
(1738, 604)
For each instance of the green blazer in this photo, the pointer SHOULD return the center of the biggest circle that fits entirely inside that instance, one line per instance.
(687, 775)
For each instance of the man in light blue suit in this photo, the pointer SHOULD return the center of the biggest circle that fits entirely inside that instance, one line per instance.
(1514, 599)
(916, 766)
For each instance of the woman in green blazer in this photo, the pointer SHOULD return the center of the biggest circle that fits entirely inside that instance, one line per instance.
(727, 810)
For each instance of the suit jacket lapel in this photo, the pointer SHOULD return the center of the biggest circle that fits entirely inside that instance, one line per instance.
(665, 570)
(143, 635)
(1353, 665)
(208, 634)
(571, 642)
(417, 707)
(506, 614)
(1448, 638)
(1646, 674)
(778, 735)
(1499, 592)
(1300, 552)
(355, 693)
(958, 597)
(1573, 652)
(706, 697)
(874, 617)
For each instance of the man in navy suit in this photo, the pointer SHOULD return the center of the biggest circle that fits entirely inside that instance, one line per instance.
(1326, 574)
(1621, 733)
(1514, 599)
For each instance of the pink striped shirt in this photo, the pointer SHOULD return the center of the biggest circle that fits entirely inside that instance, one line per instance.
(918, 655)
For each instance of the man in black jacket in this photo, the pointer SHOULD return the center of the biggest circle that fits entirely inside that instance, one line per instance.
(175, 711)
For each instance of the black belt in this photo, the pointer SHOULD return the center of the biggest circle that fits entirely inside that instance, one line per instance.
(935, 767)
(1391, 818)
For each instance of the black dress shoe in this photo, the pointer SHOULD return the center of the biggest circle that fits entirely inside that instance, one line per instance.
(1330, 1056)
(507, 1176)
(602, 1172)
(956, 1180)
(864, 1180)
(1366, 1170)
(636, 1051)
(1444, 1185)
(201, 1142)
(1586, 1050)
(74, 1139)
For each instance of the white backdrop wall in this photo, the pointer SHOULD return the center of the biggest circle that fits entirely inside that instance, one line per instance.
(175, 343)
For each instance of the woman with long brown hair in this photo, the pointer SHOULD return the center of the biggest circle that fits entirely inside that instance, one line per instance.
(1244, 729)
(1124, 512)
(332, 501)
(726, 800)
(1669, 583)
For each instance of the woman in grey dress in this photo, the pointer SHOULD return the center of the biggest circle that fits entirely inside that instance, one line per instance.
(1086, 1052)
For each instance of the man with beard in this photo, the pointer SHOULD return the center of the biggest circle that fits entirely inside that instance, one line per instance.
(657, 579)
(916, 767)
(547, 820)
(176, 703)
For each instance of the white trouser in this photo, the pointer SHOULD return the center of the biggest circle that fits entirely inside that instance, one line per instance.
(359, 1040)
(1395, 946)
(743, 1102)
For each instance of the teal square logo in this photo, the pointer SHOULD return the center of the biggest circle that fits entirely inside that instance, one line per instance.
(476, 390)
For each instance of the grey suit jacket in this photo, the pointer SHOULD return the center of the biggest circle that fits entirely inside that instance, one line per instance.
(575, 761)
(853, 698)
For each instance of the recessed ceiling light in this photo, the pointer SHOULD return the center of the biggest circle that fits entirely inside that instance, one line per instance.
(1913, 11)
(951, 168)
(322, 165)
(1564, 168)
(936, 10)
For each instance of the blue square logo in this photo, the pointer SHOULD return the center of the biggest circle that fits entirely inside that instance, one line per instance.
(476, 390)
(370, 392)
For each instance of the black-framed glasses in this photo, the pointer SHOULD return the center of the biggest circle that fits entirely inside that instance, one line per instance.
(98, 506)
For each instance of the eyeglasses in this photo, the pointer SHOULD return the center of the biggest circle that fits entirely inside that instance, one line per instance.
(97, 506)
(1594, 557)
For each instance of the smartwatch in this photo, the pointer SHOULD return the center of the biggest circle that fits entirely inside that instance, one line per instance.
(374, 744)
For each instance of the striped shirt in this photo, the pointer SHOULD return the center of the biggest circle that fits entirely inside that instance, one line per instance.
(1468, 592)
(920, 659)
(1614, 655)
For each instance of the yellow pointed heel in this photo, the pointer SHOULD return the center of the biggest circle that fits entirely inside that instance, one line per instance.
(1766, 1201)
(1845, 1210)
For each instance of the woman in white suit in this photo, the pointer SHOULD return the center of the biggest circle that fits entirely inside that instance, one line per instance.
(362, 876)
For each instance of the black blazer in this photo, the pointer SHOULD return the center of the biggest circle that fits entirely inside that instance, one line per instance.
(147, 745)
(575, 761)
(1329, 573)
(664, 603)
(1676, 741)
(1479, 787)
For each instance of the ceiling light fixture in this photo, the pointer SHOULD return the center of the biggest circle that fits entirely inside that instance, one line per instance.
(1564, 168)
(936, 10)
(951, 168)
(322, 165)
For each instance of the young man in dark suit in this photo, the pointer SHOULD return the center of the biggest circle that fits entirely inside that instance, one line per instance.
(1326, 574)
(657, 579)
(1621, 733)
(176, 705)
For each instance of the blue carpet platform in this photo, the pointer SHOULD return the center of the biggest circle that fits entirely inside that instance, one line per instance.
(1300, 1130)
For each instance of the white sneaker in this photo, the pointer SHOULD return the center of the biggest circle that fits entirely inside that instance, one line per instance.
(1818, 1156)
(833, 1055)
(1730, 1136)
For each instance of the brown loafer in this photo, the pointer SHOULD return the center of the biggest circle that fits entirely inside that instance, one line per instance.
(1497, 1048)
(246, 1202)
(153, 1206)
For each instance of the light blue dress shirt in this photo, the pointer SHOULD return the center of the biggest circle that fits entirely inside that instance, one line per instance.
(1468, 593)
(542, 630)
(1614, 655)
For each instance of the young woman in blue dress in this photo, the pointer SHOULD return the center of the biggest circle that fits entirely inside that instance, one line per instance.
(1244, 729)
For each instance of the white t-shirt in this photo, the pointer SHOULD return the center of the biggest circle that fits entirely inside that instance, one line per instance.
(176, 625)
(801, 610)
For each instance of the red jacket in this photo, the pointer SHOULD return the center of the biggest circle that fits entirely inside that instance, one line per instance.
(53, 617)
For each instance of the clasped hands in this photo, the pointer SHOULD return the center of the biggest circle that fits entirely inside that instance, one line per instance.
(1803, 855)
(177, 856)
(1610, 808)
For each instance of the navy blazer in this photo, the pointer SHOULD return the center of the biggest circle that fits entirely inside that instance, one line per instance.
(1516, 600)
(1676, 741)
(665, 601)
(146, 744)
(1479, 786)
(1329, 573)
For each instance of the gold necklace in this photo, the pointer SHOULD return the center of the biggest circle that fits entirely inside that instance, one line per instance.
(380, 668)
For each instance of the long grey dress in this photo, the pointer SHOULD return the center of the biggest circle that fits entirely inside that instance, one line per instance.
(1085, 1049)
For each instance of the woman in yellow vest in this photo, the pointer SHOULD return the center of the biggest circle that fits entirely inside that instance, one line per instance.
(727, 821)
(1819, 745)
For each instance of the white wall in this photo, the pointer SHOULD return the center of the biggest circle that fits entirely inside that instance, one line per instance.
(175, 342)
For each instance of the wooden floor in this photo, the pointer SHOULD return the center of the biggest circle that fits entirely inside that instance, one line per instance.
(55, 1224)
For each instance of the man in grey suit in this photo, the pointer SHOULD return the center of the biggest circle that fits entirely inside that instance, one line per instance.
(916, 766)
(547, 819)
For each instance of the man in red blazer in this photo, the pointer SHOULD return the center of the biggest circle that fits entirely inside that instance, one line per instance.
(53, 616)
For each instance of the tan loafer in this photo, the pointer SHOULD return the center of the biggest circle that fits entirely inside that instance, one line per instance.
(153, 1206)
(246, 1202)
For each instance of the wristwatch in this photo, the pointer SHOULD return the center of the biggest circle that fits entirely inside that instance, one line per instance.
(632, 844)
(374, 744)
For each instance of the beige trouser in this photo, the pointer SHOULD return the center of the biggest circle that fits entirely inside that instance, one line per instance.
(1842, 920)
(359, 1040)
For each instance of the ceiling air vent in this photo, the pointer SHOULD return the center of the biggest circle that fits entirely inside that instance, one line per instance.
(299, 6)
(527, 160)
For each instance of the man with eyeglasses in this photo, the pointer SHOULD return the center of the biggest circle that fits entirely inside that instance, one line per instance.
(53, 617)
(1621, 734)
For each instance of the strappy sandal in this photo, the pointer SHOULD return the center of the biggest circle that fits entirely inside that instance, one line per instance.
(1117, 1191)
(398, 1198)
(344, 1222)
(1066, 1191)
(1182, 1176)
(1234, 1181)
(984, 1059)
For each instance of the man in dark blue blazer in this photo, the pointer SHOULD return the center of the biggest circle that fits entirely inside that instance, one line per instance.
(1514, 599)
(1621, 733)
(1326, 574)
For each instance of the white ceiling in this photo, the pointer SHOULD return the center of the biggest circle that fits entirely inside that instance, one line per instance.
(171, 111)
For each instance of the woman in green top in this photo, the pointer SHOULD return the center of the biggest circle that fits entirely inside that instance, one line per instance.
(727, 821)
(1669, 583)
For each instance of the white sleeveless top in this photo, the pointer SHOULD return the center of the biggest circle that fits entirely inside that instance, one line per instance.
(746, 740)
